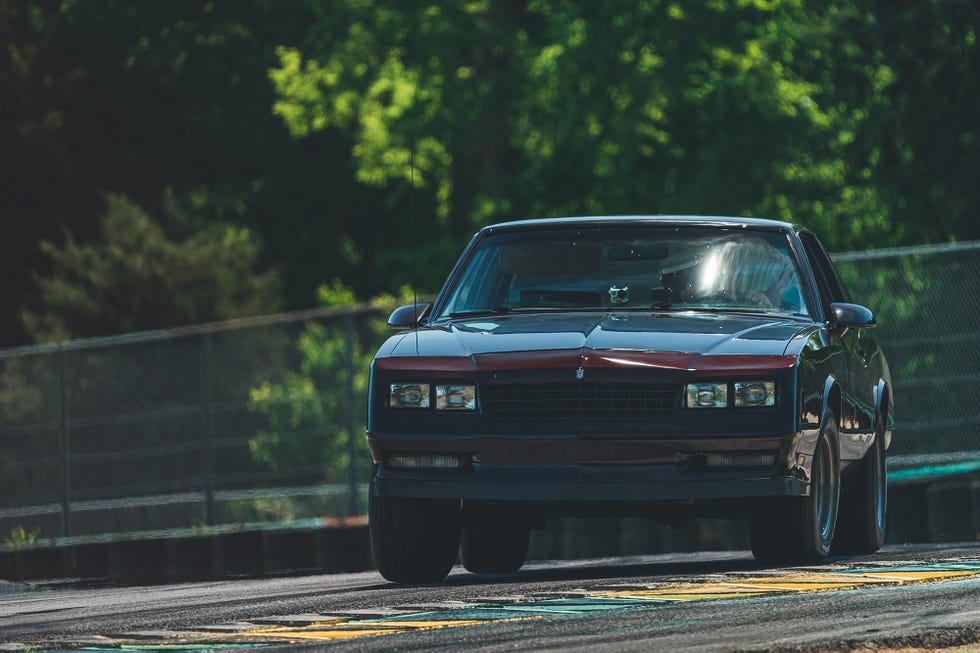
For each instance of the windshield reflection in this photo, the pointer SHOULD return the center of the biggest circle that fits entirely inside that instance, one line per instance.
(624, 269)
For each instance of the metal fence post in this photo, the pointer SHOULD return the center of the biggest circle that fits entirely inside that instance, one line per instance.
(352, 499)
(207, 430)
(64, 442)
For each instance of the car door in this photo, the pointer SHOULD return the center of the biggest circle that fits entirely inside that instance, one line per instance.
(856, 388)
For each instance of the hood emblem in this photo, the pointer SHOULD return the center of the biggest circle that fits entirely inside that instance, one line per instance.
(580, 373)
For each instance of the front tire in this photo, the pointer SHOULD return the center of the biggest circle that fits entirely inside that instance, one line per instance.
(414, 540)
(861, 526)
(800, 529)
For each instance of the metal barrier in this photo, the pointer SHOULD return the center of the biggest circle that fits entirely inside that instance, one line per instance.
(260, 421)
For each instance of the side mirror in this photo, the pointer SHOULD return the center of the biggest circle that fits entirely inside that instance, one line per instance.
(407, 317)
(852, 315)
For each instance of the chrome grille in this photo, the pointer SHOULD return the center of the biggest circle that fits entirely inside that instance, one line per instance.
(578, 400)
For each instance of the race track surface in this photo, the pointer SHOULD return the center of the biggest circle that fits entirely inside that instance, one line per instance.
(926, 595)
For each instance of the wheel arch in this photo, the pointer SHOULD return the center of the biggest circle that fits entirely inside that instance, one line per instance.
(833, 399)
(883, 409)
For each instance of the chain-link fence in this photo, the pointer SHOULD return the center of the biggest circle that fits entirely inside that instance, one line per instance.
(254, 421)
(262, 420)
(927, 304)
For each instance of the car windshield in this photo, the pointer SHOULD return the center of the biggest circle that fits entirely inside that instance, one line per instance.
(630, 268)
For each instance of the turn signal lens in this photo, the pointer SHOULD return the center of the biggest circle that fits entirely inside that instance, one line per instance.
(433, 461)
(740, 460)
(755, 393)
(707, 395)
(408, 395)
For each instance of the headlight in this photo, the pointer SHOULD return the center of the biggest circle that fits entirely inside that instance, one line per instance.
(755, 393)
(707, 395)
(408, 395)
(455, 397)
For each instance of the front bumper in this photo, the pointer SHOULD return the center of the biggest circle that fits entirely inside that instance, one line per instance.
(581, 484)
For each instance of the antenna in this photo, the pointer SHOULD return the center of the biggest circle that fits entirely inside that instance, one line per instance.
(415, 267)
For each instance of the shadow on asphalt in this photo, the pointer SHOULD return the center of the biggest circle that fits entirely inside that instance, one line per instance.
(576, 571)
(624, 570)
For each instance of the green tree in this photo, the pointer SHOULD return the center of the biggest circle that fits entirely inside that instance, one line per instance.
(137, 277)
(107, 96)
(530, 109)
(310, 410)
(44, 186)
(927, 134)
(366, 140)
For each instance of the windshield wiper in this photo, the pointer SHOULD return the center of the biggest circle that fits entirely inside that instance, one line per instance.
(667, 306)
(496, 310)
(723, 309)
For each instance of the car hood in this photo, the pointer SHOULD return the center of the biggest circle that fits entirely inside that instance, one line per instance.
(662, 339)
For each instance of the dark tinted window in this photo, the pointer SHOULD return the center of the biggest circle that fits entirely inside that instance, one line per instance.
(630, 268)
(831, 287)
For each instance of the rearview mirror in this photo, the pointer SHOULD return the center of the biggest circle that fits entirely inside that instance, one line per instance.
(638, 252)
(530, 259)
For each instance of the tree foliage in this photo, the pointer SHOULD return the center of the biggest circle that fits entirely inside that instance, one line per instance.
(153, 101)
(315, 412)
(365, 140)
(783, 109)
(136, 278)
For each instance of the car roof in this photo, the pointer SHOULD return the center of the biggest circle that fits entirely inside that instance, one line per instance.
(666, 220)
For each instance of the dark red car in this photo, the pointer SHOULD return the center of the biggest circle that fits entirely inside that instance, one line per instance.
(665, 367)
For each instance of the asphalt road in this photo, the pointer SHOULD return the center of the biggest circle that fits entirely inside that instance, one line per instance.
(914, 595)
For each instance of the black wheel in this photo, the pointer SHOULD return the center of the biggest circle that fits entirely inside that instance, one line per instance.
(414, 540)
(492, 544)
(801, 529)
(864, 502)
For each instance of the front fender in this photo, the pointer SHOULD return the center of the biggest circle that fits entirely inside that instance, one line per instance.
(818, 404)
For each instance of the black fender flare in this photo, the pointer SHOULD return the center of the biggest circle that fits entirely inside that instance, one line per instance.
(805, 442)
(832, 398)
(882, 395)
